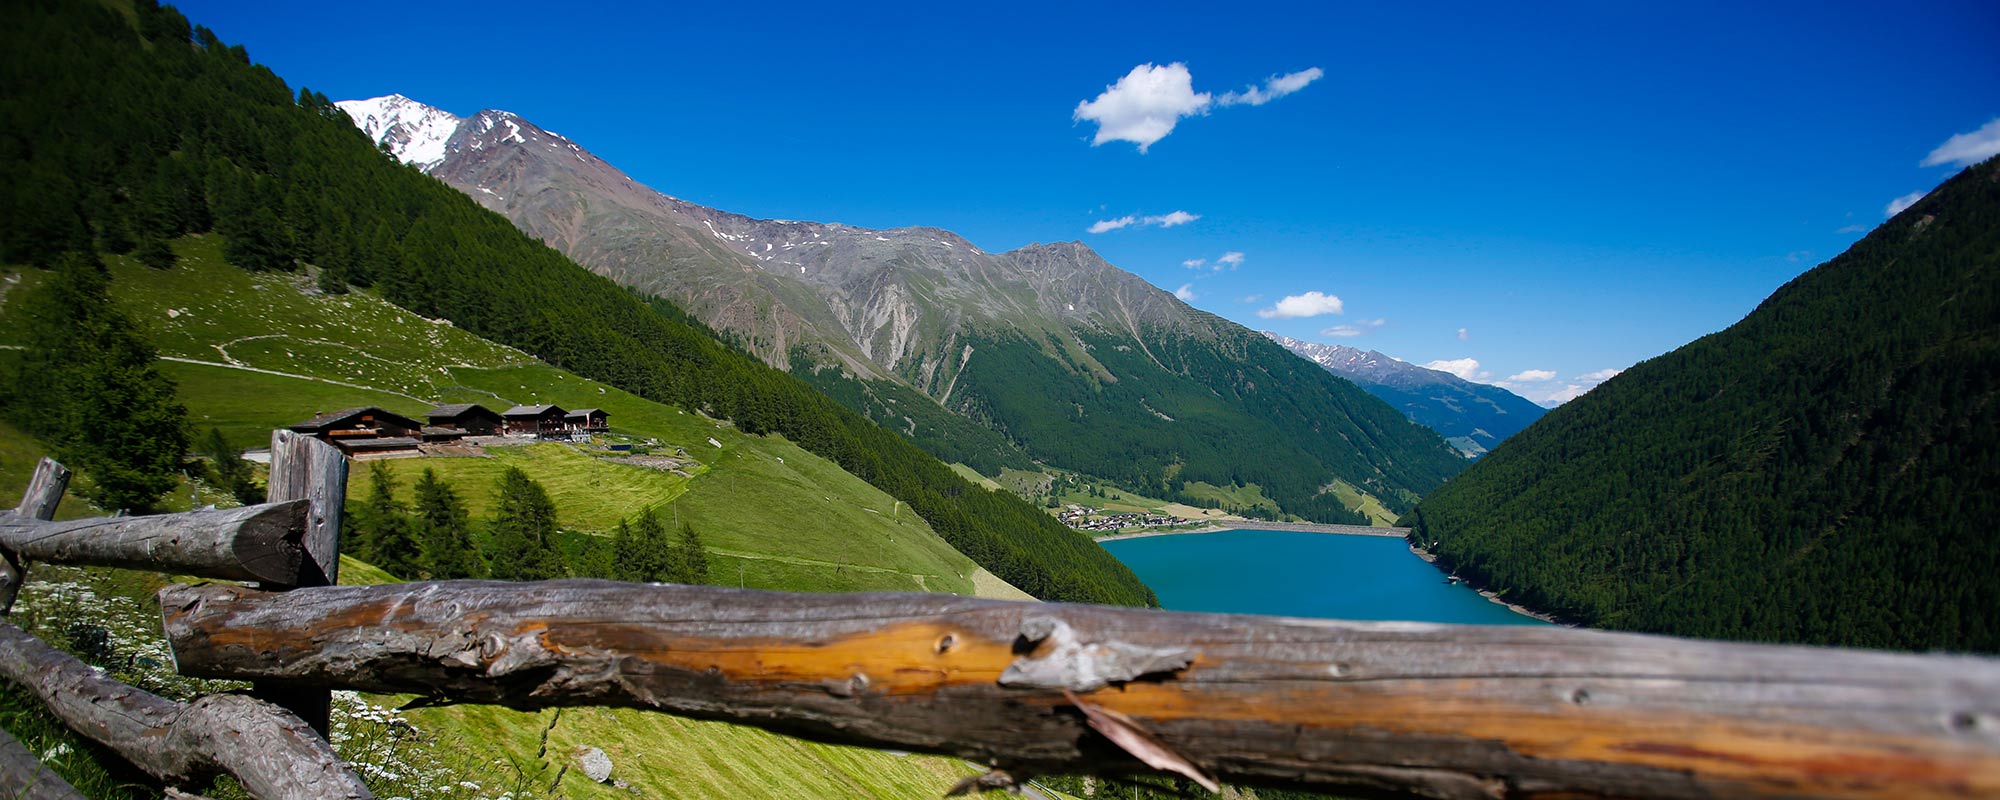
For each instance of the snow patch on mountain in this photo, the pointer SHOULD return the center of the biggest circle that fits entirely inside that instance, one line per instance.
(414, 133)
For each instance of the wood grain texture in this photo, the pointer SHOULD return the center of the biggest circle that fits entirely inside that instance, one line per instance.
(23, 776)
(252, 543)
(45, 491)
(1434, 710)
(272, 753)
(304, 468)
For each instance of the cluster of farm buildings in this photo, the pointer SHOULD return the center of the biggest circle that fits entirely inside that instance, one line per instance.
(376, 431)
(1084, 518)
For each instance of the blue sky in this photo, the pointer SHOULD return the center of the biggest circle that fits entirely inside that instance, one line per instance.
(1566, 190)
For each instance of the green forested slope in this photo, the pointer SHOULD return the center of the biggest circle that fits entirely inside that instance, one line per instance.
(1825, 471)
(121, 137)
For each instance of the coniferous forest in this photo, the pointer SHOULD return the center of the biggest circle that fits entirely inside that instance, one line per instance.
(1825, 471)
(119, 133)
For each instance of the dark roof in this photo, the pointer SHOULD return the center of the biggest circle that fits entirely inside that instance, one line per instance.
(586, 412)
(432, 430)
(530, 411)
(384, 443)
(450, 410)
(333, 418)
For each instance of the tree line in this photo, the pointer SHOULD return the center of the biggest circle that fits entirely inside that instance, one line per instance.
(435, 538)
(115, 133)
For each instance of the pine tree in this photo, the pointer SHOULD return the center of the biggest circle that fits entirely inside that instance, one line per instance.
(643, 552)
(524, 530)
(387, 540)
(690, 560)
(444, 532)
(88, 387)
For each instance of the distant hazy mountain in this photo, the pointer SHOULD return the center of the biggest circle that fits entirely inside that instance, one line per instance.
(1045, 352)
(1472, 416)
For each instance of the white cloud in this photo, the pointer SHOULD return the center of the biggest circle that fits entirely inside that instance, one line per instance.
(1967, 149)
(1356, 328)
(1466, 368)
(1853, 229)
(1310, 304)
(1166, 220)
(1897, 205)
(1540, 387)
(1797, 256)
(1463, 336)
(1274, 87)
(1185, 293)
(1250, 298)
(1143, 107)
(1229, 260)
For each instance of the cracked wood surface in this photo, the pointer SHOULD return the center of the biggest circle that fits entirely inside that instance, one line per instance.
(1434, 710)
(252, 543)
(271, 752)
(23, 776)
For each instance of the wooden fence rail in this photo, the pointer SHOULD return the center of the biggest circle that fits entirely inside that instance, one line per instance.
(1435, 710)
(270, 751)
(252, 543)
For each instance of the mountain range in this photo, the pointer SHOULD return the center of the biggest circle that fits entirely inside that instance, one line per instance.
(1473, 417)
(1046, 353)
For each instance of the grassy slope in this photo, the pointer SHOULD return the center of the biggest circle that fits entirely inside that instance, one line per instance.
(773, 515)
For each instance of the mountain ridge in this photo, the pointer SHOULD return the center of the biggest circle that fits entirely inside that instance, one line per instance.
(1474, 417)
(933, 336)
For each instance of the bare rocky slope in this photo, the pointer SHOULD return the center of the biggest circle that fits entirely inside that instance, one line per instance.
(1046, 352)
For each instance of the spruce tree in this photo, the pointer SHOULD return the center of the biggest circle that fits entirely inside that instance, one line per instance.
(387, 540)
(444, 532)
(524, 530)
(643, 551)
(87, 386)
(690, 560)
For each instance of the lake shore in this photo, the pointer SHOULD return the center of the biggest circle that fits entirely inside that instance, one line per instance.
(1492, 596)
(1259, 525)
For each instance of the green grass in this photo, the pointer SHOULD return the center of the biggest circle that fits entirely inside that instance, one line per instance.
(1246, 496)
(1363, 502)
(973, 475)
(773, 515)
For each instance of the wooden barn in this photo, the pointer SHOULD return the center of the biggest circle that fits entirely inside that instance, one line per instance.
(364, 430)
(588, 420)
(469, 419)
(535, 420)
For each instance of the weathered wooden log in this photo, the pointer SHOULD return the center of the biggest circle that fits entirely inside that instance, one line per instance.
(252, 543)
(272, 753)
(1355, 707)
(305, 468)
(23, 776)
(45, 491)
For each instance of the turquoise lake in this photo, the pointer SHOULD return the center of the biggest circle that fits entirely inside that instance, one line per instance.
(1304, 575)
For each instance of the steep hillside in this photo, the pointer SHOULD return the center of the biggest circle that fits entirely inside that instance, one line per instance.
(1825, 471)
(1473, 417)
(122, 141)
(1047, 351)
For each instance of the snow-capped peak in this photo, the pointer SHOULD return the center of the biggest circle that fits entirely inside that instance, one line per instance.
(415, 133)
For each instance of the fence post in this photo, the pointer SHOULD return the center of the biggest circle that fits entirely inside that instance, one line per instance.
(45, 491)
(303, 467)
